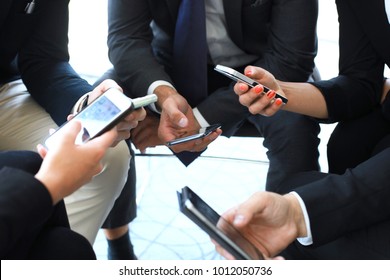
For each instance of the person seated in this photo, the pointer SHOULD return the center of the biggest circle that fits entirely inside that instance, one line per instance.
(145, 39)
(347, 211)
(39, 89)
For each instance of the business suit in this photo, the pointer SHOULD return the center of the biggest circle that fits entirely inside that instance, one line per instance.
(30, 226)
(260, 28)
(349, 213)
(34, 47)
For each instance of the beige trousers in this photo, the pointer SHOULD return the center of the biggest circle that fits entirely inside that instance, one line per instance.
(24, 124)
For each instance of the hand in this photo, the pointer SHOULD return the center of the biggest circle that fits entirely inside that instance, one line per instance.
(67, 166)
(145, 135)
(177, 120)
(129, 122)
(254, 98)
(269, 221)
(386, 90)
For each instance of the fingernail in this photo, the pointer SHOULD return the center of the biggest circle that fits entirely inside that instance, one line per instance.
(278, 102)
(183, 122)
(271, 94)
(242, 87)
(238, 219)
(258, 89)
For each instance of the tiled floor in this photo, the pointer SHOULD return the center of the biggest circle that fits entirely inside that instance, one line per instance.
(227, 173)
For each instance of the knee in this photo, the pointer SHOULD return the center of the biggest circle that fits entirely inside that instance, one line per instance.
(116, 167)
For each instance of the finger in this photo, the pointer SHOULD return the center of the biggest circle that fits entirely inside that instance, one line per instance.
(107, 84)
(241, 88)
(244, 213)
(202, 144)
(42, 151)
(105, 140)
(70, 131)
(220, 250)
(176, 117)
(273, 106)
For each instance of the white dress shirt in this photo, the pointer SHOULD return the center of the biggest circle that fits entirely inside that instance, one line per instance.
(222, 50)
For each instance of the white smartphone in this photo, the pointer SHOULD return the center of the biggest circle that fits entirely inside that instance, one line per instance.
(238, 77)
(103, 114)
(202, 133)
(214, 225)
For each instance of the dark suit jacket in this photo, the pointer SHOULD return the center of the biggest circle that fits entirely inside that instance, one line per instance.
(40, 41)
(340, 204)
(25, 204)
(364, 50)
(281, 33)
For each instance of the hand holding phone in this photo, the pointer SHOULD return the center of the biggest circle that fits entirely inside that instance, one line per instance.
(218, 228)
(203, 132)
(238, 77)
(103, 114)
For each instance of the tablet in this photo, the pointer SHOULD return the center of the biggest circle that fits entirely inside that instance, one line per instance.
(216, 227)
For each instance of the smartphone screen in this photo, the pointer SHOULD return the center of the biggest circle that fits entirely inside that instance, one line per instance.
(217, 227)
(96, 118)
(99, 116)
(239, 77)
(202, 133)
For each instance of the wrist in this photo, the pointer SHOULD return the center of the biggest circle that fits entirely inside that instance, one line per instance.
(297, 215)
(163, 92)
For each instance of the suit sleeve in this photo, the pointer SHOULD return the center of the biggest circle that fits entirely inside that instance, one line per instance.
(130, 49)
(357, 89)
(339, 204)
(44, 62)
(25, 204)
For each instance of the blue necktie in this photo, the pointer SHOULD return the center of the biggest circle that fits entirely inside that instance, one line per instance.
(190, 59)
(190, 52)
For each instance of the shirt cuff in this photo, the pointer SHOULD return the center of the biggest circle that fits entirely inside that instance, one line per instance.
(198, 116)
(308, 240)
(151, 89)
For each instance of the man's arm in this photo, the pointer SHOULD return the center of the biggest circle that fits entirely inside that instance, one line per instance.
(129, 41)
(44, 63)
(339, 204)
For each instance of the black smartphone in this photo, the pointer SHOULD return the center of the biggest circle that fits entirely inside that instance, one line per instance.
(202, 133)
(214, 225)
(238, 77)
(103, 114)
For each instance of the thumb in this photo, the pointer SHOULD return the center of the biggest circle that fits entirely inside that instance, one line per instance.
(175, 115)
(247, 210)
(70, 131)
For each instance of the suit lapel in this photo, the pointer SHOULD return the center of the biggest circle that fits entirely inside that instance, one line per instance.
(233, 15)
(372, 17)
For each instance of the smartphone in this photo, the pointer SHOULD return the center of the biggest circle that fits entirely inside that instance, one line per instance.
(238, 77)
(103, 114)
(216, 227)
(202, 133)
